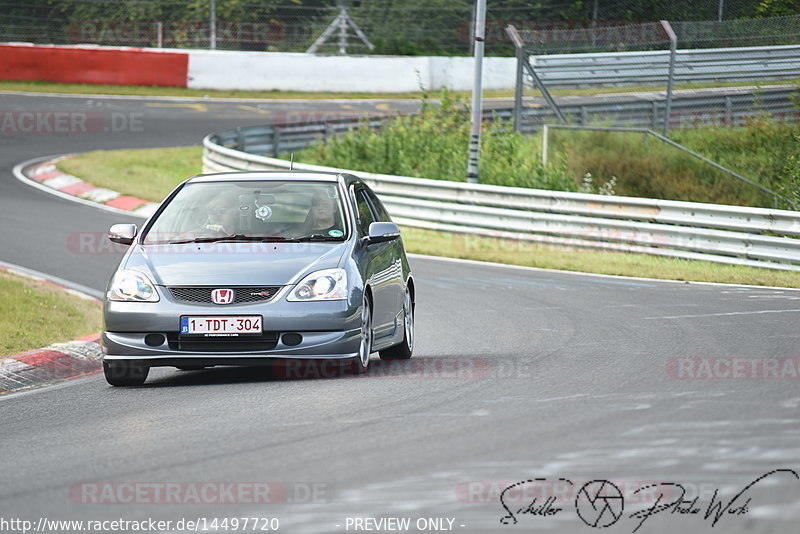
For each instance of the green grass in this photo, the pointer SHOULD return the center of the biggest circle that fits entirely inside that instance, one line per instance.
(34, 314)
(149, 174)
(136, 90)
(158, 170)
(646, 167)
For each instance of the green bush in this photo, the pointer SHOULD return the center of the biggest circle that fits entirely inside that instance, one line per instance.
(433, 144)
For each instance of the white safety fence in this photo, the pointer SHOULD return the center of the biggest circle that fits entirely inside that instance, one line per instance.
(725, 234)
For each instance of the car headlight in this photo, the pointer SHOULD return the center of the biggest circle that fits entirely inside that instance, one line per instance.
(132, 286)
(328, 284)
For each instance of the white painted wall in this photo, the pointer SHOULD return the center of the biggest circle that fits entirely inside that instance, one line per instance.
(210, 69)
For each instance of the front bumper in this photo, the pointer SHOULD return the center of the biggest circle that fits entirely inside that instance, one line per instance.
(329, 330)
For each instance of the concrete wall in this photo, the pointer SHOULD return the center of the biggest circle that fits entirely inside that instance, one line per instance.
(209, 69)
(93, 64)
(307, 72)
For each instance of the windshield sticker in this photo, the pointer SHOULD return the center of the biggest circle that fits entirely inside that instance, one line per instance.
(263, 212)
(335, 233)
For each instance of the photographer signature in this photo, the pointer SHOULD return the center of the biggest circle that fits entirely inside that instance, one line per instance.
(600, 503)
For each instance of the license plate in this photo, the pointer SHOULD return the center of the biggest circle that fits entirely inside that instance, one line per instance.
(215, 325)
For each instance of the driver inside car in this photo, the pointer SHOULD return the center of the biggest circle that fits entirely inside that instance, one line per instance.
(221, 214)
(322, 217)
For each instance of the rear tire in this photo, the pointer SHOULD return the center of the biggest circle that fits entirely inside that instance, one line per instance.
(122, 373)
(360, 363)
(405, 348)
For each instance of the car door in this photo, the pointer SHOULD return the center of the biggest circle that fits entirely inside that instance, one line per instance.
(397, 282)
(377, 266)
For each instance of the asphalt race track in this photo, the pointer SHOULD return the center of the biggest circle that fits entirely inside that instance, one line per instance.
(518, 375)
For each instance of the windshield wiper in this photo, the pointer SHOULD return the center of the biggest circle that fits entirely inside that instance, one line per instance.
(217, 239)
(317, 237)
(248, 238)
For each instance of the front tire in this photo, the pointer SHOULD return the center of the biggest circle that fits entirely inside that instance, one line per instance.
(404, 349)
(360, 363)
(122, 373)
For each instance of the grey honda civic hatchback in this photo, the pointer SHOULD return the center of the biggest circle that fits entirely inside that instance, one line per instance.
(254, 268)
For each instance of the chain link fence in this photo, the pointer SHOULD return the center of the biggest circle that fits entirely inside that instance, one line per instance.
(404, 27)
(659, 75)
(724, 89)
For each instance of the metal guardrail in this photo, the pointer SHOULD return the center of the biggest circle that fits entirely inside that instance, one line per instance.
(718, 233)
(731, 107)
(282, 139)
(651, 67)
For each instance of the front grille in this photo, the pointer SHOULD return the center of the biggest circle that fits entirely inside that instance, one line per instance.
(242, 295)
(266, 341)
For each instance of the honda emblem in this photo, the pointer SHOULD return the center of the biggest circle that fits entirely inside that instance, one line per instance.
(222, 296)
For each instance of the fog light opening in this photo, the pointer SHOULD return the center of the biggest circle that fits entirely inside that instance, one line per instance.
(154, 340)
(292, 339)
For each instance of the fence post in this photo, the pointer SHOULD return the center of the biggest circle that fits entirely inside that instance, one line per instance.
(545, 132)
(212, 25)
(276, 142)
(241, 144)
(729, 118)
(342, 30)
(479, 36)
(518, 92)
(673, 47)
(159, 34)
(654, 121)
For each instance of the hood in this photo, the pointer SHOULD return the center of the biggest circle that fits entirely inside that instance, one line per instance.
(233, 264)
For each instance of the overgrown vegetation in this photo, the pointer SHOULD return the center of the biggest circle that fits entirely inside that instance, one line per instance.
(434, 144)
(764, 151)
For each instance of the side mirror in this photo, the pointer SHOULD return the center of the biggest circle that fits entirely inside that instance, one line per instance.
(122, 233)
(380, 232)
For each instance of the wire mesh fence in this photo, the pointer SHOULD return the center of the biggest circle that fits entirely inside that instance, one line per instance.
(406, 27)
(654, 59)
(695, 81)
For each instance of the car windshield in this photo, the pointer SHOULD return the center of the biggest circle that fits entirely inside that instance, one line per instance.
(204, 212)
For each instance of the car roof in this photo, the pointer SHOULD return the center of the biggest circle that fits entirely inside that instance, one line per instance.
(240, 176)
